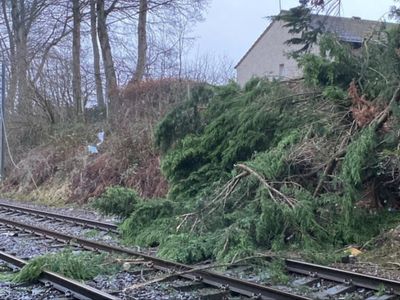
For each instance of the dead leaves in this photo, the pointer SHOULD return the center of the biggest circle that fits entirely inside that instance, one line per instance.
(362, 110)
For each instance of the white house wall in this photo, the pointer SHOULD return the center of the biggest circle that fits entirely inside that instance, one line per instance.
(268, 57)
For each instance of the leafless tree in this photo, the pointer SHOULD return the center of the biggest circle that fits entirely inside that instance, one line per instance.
(39, 34)
(142, 42)
(109, 68)
(96, 55)
(76, 58)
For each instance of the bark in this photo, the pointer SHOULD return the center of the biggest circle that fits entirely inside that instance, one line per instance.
(142, 42)
(76, 58)
(109, 69)
(23, 15)
(96, 55)
(19, 25)
(12, 88)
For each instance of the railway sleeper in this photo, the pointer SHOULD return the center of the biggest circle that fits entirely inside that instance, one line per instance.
(306, 281)
(335, 291)
(382, 297)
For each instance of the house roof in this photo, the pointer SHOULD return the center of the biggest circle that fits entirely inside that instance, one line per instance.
(347, 29)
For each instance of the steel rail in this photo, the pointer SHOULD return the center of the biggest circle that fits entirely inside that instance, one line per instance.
(60, 217)
(342, 276)
(218, 280)
(63, 284)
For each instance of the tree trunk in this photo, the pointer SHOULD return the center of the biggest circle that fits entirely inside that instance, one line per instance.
(109, 69)
(142, 42)
(76, 59)
(12, 86)
(18, 15)
(96, 55)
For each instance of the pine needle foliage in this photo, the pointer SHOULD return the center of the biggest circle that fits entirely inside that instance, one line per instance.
(298, 22)
(149, 223)
(80, 266)
(187, 248)
(117, 201)
(258, 125)
(240, 124)
(184, 119)
(334, 66)
(359, 157)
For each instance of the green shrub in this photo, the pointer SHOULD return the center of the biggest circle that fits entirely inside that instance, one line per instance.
(118, 201)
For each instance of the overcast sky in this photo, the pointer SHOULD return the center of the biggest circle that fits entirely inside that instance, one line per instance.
(231, 26)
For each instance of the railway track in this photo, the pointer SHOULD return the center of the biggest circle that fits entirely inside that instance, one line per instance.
(70, 288)
(17, 210)
(219, 281)
(332, 283)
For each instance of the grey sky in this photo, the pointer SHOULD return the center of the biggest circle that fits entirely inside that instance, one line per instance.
(231, 26)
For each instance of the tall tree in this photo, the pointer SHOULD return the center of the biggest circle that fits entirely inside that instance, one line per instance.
(109, 68)
(76, 58)
(96, 55)
(21, 28)
(142, 42)
(12, 89)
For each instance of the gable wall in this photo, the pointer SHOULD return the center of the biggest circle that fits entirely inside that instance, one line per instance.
(267, 54)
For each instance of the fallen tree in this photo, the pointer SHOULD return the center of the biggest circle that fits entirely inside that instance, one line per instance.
(272, 166)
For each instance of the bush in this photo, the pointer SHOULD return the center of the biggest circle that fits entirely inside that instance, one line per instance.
(118, 201)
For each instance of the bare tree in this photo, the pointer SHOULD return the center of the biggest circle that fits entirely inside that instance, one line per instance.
(12, 57)
(96, 55)
(109, 68)
(142, 42)
(76, 58)
(21, 28)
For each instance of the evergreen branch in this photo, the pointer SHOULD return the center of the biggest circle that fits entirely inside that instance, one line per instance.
(271, 190)
(377, 123)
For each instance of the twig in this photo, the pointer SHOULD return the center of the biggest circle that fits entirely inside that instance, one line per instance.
(328, 170)
(380, 120)
(163, 278)
(225, 192)
(133, 261)
(289, 201)
(186, 216)
(377, 123)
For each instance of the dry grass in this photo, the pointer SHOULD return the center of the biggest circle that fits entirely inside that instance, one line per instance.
(63, 170)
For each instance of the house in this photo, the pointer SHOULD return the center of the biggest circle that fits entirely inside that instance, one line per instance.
(268, 56)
